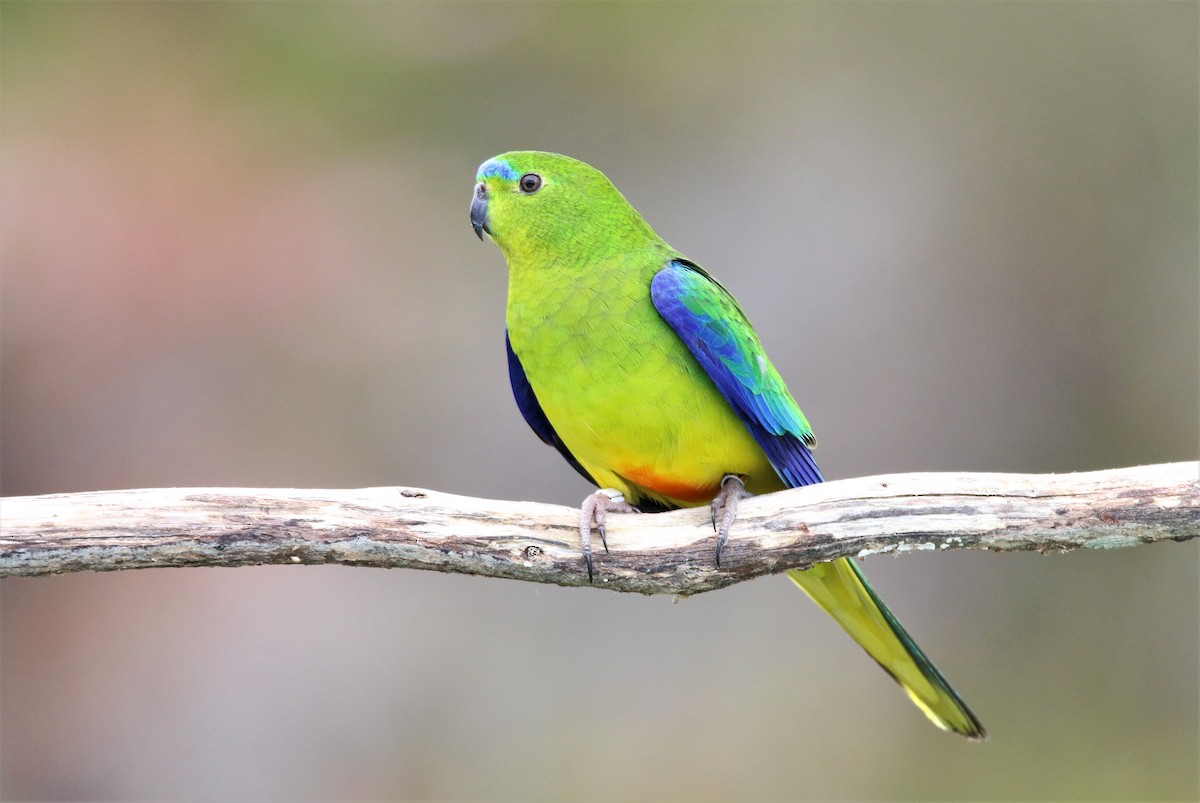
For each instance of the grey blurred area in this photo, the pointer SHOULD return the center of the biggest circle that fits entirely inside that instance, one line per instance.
(236, 252)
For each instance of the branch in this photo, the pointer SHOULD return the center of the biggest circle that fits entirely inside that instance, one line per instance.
(667, 553)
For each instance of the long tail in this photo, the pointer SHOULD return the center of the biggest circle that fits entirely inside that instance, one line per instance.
(841, 590)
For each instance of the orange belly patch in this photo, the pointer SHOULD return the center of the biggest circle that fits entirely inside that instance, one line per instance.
(671, 487)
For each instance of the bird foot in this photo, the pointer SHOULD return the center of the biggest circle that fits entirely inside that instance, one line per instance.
(593, 513)
(725, 508)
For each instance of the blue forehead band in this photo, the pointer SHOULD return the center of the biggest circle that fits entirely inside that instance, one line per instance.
(496, 167)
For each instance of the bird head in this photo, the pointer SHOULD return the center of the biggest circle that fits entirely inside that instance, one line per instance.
(533, 202)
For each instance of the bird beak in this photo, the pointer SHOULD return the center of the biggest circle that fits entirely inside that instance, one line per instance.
(479, 220)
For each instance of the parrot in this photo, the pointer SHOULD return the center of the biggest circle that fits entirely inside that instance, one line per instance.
(645, 374)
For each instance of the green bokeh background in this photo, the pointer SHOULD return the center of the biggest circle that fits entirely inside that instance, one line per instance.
(236, 253)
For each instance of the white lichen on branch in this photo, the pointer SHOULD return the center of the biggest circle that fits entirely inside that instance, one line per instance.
(669, 553)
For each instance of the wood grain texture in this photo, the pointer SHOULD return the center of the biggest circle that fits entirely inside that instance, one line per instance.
(666, 553)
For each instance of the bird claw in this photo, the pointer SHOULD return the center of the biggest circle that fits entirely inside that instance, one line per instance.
(724, 509)
(593, 513)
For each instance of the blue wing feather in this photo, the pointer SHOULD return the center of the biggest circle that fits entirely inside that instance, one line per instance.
(715, 330)
(531, 409)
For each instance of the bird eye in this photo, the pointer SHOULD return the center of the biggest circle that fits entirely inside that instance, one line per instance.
(530, 183)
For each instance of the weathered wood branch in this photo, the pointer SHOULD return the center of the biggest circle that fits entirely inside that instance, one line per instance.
(668, 553)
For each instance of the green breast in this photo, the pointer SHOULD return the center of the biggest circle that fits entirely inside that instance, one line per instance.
(621, 389)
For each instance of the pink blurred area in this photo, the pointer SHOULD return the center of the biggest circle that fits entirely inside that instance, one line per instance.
(235, 252)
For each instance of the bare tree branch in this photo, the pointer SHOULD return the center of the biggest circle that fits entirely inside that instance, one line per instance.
(667, 553)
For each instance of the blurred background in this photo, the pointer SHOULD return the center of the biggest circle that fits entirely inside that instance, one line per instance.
(236, 252)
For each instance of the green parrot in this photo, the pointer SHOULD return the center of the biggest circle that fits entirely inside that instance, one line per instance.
(647, 377)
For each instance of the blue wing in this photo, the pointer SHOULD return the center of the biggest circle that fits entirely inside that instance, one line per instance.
(531, 409)
(715, 330)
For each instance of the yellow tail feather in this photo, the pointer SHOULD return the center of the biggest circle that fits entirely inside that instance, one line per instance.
(841, 590)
